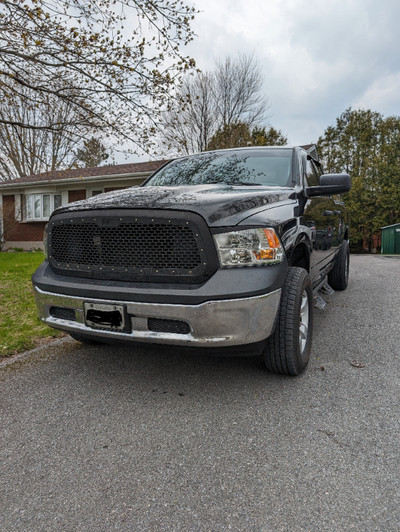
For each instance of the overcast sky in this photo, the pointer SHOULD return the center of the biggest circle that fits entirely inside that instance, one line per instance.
(318, 57)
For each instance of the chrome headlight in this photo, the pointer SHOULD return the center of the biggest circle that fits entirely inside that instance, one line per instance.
(249, 247)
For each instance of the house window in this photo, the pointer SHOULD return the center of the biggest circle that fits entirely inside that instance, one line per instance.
(90, 192)
(40, 206)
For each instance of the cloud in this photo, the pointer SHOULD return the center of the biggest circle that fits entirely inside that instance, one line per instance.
(317, 58)
(382, 95)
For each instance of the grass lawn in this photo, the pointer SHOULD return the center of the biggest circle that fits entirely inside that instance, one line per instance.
(20, 327)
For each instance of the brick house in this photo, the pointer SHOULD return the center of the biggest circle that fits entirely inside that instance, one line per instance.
(26, 203)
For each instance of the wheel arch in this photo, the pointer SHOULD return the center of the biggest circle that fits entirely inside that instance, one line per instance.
(300, 255)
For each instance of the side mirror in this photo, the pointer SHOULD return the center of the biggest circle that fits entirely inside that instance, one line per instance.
(330, 184)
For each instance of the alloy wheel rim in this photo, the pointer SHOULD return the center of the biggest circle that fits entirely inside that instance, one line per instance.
(304, 322)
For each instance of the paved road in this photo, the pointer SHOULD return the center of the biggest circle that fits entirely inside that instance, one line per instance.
(114, 438)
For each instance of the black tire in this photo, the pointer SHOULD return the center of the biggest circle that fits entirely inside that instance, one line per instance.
(288, 348)
(338, 277)
(83, 339)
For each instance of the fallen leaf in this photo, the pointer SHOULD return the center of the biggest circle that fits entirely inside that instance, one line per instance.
(356, 364)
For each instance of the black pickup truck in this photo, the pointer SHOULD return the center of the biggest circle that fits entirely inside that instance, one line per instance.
(221, 250)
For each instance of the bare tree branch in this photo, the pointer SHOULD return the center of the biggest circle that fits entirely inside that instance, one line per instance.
(46, 145)
(208, 102)
(113, 62)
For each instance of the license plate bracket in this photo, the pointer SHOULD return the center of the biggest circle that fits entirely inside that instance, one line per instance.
(106, 316)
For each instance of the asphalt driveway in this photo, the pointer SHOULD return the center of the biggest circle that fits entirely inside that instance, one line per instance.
(115, 438)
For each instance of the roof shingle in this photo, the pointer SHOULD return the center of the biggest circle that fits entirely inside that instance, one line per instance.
(76, 173)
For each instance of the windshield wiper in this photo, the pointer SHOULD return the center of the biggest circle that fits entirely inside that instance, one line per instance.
(247, 183)
(234, 183)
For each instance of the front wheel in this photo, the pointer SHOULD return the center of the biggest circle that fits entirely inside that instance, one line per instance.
(288, 348)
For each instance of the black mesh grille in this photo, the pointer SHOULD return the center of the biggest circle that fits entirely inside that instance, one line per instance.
(169, 326)
(63, 313)
(126, 247)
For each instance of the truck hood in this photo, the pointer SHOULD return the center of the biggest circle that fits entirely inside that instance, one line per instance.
(219, 204)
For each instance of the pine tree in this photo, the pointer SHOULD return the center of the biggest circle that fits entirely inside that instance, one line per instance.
(92, 154)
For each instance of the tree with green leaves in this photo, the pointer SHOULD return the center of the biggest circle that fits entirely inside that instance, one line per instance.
(112, 62)
(91, 154)
(231, 136)
(366, 145)
(388, 172)
(240, 135)
(268, 137)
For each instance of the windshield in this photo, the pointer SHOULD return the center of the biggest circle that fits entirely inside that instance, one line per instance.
(247, 167)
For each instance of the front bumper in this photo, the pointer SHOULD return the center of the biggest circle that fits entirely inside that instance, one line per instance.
(227, 322)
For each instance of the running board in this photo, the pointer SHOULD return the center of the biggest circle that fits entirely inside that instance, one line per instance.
(319, 301)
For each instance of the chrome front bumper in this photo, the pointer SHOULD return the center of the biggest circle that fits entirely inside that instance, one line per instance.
(226, 322)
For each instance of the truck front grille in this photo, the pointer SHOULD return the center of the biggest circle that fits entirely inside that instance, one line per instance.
(129, 247)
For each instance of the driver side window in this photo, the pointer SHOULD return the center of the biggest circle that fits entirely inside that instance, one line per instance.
(312, 173)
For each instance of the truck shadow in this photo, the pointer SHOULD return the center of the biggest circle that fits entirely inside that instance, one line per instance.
(170, 370)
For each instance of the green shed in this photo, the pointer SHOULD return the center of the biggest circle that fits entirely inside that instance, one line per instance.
(391, 239)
